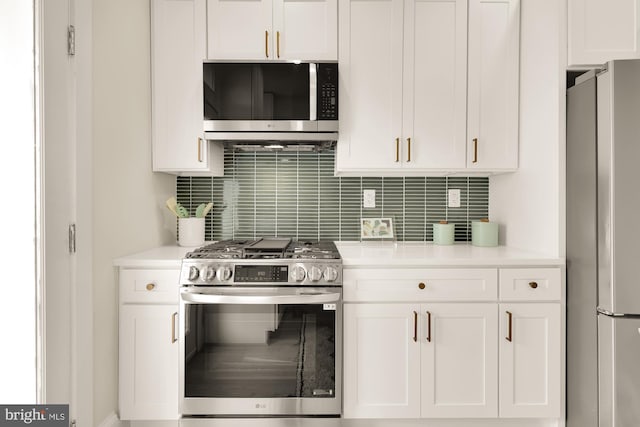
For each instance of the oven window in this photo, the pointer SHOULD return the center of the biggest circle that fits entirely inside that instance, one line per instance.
(235, 91)
(260, 351)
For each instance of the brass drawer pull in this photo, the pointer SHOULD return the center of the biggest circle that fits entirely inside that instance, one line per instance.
(278, 43)
(510, 331)
(266, 43)
(415, 326)
(421, 285)
(200, 150)
(173, 328)
(397, 150)
(150, 286)
(428, 326)
(408, 149)
(533, 285)
(475, 150)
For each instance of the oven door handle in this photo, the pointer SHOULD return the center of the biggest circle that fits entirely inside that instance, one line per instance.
(225, 298)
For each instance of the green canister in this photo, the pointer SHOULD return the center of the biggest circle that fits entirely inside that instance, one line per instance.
(484, 233)
(443, 233)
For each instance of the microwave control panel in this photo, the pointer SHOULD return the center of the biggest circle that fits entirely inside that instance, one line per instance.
(328, 91)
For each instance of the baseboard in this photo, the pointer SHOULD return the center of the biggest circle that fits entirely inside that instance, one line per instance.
(112, 420)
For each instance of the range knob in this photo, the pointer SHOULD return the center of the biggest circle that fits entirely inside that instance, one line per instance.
(207, 274)
(330, 274)
(315, 274)
(193, 273)
(224, 273)
(298, 273)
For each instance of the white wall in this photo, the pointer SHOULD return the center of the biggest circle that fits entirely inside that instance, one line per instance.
(128, 199)
(529, 204)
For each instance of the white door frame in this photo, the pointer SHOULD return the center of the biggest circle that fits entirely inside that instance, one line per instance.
(65, 306)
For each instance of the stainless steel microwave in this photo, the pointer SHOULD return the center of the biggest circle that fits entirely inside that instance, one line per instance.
(282, 101)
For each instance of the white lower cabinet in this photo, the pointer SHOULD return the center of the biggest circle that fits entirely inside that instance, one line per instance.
(459, 360)
(148, 362)
(148, 344)
(530, 362)
(381, 361)
(482, 356)
(412, 361)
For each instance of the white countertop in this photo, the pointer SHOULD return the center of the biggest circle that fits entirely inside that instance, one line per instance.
(161, 257)
(378, 254)
(419, 254)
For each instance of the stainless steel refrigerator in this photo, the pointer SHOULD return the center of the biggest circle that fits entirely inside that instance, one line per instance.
(603, 237)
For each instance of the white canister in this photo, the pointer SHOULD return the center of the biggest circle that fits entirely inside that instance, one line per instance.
(191, 231)
(443, 233)
(484, 233)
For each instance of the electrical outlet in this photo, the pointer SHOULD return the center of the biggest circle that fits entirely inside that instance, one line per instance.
(454, 198)
(369, 199)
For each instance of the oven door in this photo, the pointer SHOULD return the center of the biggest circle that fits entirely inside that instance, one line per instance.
(260, 351)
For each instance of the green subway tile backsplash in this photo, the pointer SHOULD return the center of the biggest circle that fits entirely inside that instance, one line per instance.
(296, 195)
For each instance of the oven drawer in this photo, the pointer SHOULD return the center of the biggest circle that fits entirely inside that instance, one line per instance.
(419, 284)
(149, 286)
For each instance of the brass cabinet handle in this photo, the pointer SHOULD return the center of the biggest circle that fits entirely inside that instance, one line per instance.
(397, 150)
(475, 150)
(415, 326)
(533, 285)
(421, 285)
(266, 43)
(200, 150)
(173, 328)
(278, 43)
(428, 326)
(510, 330)
(150, 286)
(408, 149)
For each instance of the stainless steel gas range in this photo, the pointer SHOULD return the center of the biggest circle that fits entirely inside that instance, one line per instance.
(261, 329)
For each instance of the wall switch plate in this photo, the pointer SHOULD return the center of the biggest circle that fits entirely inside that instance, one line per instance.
(454, 198)
(369, 199)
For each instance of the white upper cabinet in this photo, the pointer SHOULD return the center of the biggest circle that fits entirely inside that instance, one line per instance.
(493, 76)
(434, 84)
(272, 29)
(370, 84)
(403, 88)
(603, 30)
(410, 103)
(239, 29)
(178, 40)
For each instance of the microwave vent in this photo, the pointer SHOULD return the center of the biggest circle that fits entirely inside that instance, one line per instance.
(281, 146)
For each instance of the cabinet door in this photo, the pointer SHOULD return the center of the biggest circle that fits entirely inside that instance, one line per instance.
(603, 30)
(530, 360)
(177, 49)
(370, 81)
(459, 360)
(434, 84)
(381, 361)
(306, 30)
(240, 29)
(492, 134)
(148, 362)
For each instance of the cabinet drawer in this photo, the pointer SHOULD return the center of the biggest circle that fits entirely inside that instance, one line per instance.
(417, 285)
(149, 286)
(531, 284)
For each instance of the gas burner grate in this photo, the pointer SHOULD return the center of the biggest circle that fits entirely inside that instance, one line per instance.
(266, 248)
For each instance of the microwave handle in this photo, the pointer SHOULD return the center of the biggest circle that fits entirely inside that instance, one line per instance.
(222, 298)
(313, 91)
